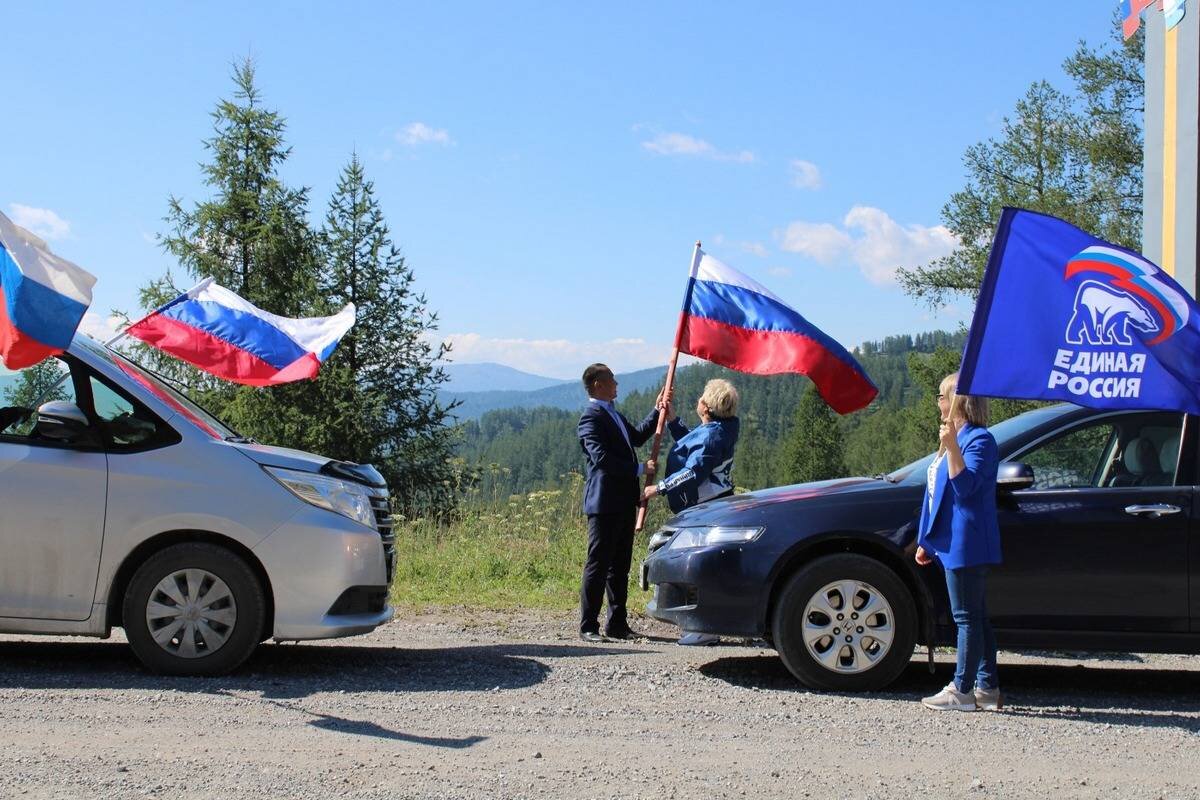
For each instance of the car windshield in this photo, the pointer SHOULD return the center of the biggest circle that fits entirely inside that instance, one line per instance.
(163, 391)
(1003, 431)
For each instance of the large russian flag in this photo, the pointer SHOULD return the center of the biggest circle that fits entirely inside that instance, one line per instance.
(214, 329)
(42, 298)
(732, 320)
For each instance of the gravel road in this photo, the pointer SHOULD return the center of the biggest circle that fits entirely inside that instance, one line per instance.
(455, 705)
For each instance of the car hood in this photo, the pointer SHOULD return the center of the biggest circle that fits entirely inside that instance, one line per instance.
(270, 456)
(287, 458)
(743, 508)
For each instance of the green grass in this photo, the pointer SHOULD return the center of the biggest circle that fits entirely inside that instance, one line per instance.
(523, 551)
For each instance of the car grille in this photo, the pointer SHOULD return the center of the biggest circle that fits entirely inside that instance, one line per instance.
(383, 523)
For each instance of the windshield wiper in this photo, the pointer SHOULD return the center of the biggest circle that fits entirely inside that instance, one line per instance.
(888, 478)
(240, 440)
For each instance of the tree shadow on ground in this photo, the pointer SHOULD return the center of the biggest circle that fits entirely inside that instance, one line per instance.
(1138, 697)
(294, 670)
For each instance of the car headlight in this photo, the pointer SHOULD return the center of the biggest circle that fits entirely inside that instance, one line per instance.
(341, 497)
(687, 538)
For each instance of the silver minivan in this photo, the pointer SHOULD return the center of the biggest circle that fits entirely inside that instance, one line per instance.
(124, 504)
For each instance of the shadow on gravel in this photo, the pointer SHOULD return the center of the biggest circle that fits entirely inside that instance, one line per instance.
(1115, 696)
(289, 671)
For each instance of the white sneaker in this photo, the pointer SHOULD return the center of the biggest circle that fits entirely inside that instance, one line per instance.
(988, 699)
(698, 639)
(950, 699)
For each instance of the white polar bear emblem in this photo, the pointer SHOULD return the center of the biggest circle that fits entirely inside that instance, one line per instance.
(1103, 315)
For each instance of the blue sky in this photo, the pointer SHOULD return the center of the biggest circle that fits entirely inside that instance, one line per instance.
(546, 167)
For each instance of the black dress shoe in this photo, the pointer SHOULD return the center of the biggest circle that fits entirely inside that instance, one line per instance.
(591, 636)
(623, 633)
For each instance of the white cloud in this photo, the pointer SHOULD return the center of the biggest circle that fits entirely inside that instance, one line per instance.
(820, 241)
(754, 249)
(561, 358)
(680, 144)
(40, 221)
(805, 174)
(418, 133)
(872, 240)
(99, 327)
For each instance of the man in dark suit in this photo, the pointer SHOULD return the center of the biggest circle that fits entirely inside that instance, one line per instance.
(610, 499)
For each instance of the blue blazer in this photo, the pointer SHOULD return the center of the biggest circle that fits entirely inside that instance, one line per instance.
(962, 529)
(612, 465)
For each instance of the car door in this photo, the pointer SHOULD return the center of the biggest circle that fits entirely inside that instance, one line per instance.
(1100, 541)
(52, 503)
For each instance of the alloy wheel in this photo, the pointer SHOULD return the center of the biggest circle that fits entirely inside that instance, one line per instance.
(848, 626)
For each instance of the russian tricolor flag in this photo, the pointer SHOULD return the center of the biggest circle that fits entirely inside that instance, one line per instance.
(42, 298)
(217, 331)
(732, 320)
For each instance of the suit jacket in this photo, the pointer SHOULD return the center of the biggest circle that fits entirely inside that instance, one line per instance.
(612, 465)
(962, 529)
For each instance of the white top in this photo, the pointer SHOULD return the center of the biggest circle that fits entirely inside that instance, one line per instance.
(931, 478)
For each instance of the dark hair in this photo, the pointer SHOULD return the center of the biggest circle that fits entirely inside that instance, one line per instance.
(594, 373)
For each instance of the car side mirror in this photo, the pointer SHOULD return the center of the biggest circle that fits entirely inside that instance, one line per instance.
(61, 421)
(1014, 475)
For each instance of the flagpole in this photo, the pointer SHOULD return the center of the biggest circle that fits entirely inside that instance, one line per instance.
(670, 384)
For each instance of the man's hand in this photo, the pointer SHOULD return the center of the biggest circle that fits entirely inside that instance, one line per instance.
(649, 491)
(923, 558)
(649, 468)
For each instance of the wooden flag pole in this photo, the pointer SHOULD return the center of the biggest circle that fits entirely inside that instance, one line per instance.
(670, 384)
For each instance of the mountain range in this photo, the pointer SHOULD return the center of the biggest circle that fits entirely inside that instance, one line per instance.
(506, 391)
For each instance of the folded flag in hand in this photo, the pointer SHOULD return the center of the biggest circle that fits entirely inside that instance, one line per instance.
(732, 320)
(42, 298)
(1063, 315)
(214, 329)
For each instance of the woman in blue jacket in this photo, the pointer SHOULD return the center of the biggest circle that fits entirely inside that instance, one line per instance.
(700, 464)
(959, 528)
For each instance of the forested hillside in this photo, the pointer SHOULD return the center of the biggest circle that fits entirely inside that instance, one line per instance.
(520, 449)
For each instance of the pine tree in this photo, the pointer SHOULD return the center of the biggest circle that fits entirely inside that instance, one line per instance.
(814, 450)
(383, 378)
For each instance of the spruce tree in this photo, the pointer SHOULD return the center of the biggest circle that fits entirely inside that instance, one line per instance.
(814, 450)
(253, 237)
(383, 378)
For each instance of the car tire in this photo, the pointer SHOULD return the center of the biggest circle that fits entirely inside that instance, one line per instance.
(822, 637)
(194, 609)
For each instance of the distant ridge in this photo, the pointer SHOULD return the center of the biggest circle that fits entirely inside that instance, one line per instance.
(566, 395)
(487, 376)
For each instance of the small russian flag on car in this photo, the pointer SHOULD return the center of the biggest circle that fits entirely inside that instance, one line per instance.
(223, 334)
(42, 298)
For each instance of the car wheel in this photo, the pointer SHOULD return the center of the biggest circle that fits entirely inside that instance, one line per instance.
(194, 609)
(845, 623)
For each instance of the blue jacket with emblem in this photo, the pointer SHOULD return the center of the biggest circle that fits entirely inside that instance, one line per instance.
(962, 529)
(700, 464)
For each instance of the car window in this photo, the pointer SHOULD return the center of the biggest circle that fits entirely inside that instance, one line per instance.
(126, 424)
(1074, 460)
(22, 391)
(1119, 451)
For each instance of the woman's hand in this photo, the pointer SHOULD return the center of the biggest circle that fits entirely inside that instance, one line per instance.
(649, 491)
(923, 558)
(948, 436)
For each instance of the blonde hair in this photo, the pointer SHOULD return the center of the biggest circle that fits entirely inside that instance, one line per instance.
(720, 397)
(974, 408)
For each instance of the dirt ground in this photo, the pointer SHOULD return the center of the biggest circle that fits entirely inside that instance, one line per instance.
(455, 705)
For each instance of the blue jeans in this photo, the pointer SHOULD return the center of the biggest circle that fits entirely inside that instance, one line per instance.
(967, 588)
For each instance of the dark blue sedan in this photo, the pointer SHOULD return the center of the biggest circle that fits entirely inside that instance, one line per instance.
(1095, 516)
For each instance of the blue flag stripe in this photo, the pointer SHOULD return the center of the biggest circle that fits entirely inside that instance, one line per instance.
(36, 310)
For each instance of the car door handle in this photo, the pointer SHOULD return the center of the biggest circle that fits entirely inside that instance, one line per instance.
(1152, 511)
